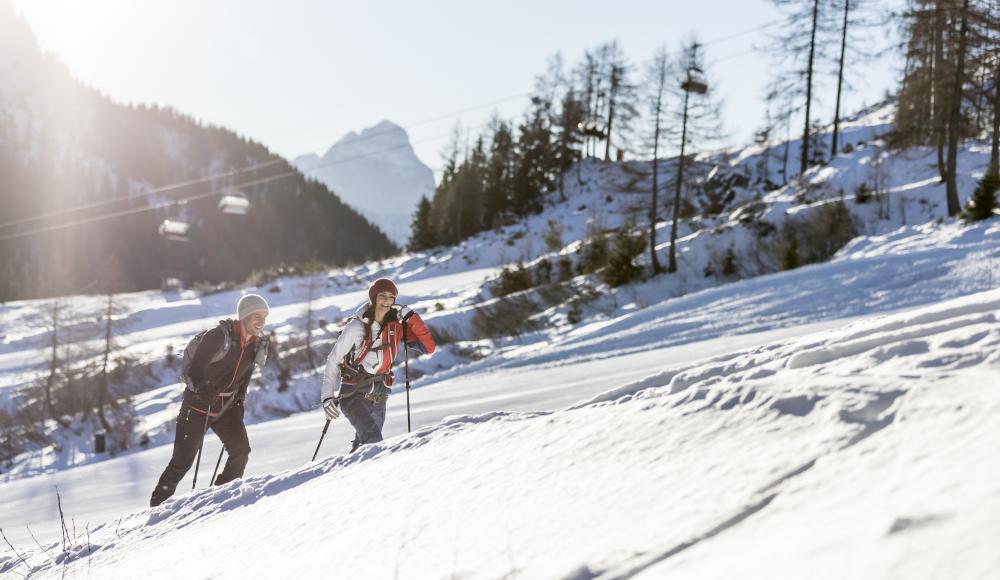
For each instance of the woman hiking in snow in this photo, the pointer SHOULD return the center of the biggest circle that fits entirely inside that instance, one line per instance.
(358, 370)
(217, 367)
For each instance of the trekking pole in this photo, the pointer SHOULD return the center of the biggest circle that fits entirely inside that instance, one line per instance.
(406, 370)
(325, 427)
(217, 463)
(200, 445)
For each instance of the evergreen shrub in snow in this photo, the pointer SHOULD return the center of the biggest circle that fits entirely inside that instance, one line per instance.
(813, 237)
(621, 268)
(593, 252)
(565, 268)
(508, 316)
(553, 236)
(513, 280)
(984, 199)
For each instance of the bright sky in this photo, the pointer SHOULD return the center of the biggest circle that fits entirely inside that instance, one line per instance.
(297, 75)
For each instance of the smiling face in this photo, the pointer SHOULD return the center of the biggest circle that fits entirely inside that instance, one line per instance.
(253, 324)
(383, 302)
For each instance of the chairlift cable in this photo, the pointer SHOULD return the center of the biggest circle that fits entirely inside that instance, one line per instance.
(203, 195)
(249, 168)
(256, 166)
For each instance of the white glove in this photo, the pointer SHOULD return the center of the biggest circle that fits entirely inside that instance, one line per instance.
(331, 405)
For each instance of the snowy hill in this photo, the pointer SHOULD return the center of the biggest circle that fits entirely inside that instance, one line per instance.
(859, 452)
(728, 411)
(377, 173)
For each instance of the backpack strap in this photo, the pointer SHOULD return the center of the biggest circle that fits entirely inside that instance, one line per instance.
(226, 343)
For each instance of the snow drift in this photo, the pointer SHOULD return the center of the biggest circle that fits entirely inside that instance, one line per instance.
(864, 451)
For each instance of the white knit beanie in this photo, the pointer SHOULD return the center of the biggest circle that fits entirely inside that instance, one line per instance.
(249, 304)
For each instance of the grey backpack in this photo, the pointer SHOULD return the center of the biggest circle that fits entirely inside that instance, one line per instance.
(260, 354)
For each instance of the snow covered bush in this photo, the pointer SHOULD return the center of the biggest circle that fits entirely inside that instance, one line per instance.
(507, 316)
(621, 268)
(984, 200)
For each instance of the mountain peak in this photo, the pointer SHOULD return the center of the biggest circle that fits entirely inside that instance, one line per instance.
(378, 173)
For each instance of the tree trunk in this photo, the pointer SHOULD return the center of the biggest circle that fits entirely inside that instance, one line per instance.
(995, 149)
(53, 367)
(309, 312)
(652, 207)
(102, 390)
(938, 104)
(611, 112)
(840, 80)
(809, 80)
(672, 265)
(955, 117)
(784, 157)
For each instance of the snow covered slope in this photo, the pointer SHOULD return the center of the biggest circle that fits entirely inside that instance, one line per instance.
(377, 173)
(687, 450)
(866, 451)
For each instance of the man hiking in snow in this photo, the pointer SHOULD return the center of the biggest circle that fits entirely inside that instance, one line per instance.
(217, 367)
(358, 370)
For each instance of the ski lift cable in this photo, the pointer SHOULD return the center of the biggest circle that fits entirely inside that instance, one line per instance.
(732, 56)
(249, 168)
(152, 192)
(767, 24)
(256, 166)
(203, 195)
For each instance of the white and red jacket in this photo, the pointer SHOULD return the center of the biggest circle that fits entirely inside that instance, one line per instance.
(374, 356)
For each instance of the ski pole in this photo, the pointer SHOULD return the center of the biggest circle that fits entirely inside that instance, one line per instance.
(325, 427)
(406, 371)
(217, 463)
(200, 445)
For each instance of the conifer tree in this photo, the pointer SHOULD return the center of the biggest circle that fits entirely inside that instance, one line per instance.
(422, 231)
(499, 177)
(658, 75)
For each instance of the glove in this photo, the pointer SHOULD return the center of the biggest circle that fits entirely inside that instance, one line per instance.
(331, 406)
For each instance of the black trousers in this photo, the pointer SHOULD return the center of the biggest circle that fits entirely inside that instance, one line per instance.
(190, 431)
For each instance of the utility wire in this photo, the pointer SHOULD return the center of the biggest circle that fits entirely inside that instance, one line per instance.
(232, 174)
(202, 195)
(236, 172)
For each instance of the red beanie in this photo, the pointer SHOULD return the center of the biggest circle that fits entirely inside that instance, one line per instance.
(379, 286)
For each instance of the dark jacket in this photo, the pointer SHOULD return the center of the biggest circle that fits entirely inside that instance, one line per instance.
(218, 385)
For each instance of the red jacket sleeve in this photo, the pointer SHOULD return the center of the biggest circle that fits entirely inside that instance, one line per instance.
(416, 331)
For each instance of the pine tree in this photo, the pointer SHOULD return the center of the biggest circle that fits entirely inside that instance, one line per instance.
(804, 40)
(422, 231)
(857, 15)
(498, 181)
(532, 176)
(621, 98)
(658, 75)
(699, 119)
(568, 138)
(984, 199)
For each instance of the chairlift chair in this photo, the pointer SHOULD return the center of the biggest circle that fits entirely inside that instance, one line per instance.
(695, 82)
(175, 230)
(592, 128)
(234, 203)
